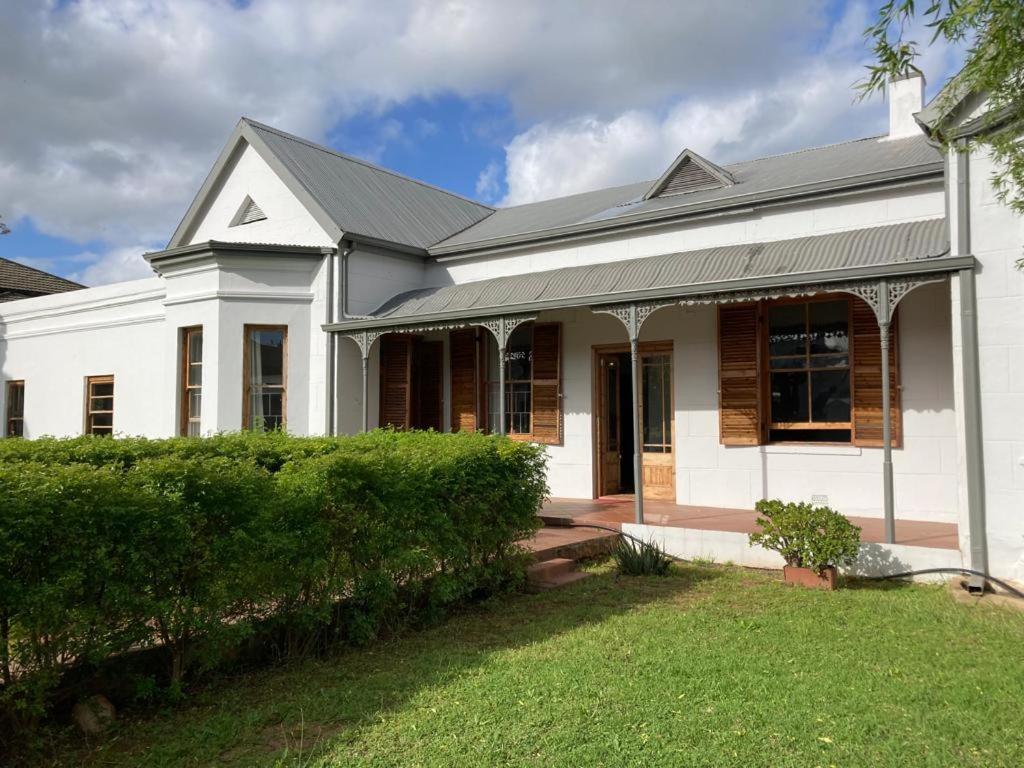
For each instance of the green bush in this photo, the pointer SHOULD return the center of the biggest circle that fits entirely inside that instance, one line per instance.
(192, 546)
(806, 536)
(634, 558)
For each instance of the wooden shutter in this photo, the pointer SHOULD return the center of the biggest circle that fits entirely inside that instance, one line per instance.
(428, 363)
(739, 380)
(396, 381)
(465, 383)
(867, 379)
(547, 405)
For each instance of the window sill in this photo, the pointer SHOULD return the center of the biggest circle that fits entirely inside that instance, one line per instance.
(813, 449)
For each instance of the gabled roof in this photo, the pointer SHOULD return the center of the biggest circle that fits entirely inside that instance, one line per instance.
(349, 197)
(688, 173)
(849, 165)
(18, 280)
(909, 247)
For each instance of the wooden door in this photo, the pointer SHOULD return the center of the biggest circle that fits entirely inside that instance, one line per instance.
(609, 424)
(657, 422)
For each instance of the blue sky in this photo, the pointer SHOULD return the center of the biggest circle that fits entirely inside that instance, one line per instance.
(123, 106)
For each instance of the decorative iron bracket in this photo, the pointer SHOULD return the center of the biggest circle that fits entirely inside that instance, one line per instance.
(632, 315)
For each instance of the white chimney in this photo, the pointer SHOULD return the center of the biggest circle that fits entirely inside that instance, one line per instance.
(906, 96)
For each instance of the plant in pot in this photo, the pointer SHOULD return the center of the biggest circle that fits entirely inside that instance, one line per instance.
(813, 541)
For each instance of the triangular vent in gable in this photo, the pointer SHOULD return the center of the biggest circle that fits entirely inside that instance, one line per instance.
(248, 212)
(689, 173)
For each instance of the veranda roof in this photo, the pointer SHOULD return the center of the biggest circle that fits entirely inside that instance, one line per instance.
(917, 247)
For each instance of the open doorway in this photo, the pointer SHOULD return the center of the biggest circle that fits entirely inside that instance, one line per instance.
(614, 421)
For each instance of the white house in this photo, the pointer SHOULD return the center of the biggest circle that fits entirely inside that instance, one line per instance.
(708, 338)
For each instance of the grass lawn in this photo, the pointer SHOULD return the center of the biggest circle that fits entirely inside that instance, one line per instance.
(707, 667)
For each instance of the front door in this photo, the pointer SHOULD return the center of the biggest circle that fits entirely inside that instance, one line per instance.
(614, 399)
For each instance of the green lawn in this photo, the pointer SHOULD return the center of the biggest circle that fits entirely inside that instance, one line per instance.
(710, 666)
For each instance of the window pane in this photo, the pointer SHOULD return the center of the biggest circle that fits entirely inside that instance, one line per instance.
(517, 408)
(267, 357)
(195, 375)
(787, 331)
(101, 404)
(656, 389)
(100, 420)
(829, 323)
(830, 396)
(102, 388)
(193, 429)
(519, 354)
(789, 397)
(781, 363)
(195, 346)
(612, 393)
(830, 361)
(195, 405)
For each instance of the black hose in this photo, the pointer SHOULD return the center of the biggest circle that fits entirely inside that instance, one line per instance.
(963, 571)
(904, 575)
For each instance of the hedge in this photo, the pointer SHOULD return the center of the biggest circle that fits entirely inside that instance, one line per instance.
(194, 547)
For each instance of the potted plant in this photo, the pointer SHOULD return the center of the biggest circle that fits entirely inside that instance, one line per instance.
(814, 541)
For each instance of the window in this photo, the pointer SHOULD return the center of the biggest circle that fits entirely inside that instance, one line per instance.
(533, 407)
(99, 405)
(265, 361)
(15, 409)
(809, 371)
(656, 372)
(191, 380)
(518, 382)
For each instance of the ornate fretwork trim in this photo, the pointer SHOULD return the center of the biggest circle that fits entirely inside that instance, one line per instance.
(501, 327)
(632, 315)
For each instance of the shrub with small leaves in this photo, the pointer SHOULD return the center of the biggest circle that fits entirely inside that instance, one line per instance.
(806, 536)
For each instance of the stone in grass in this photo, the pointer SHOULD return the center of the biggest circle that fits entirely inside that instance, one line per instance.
(93, 715)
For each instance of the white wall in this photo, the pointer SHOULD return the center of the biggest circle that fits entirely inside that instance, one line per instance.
(287, 222)
(997, 242)
(54, 342)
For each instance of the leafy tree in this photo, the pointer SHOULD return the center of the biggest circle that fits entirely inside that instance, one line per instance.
(994, 33)
(4, 229)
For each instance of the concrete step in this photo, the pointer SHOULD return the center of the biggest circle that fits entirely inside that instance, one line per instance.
(548, 569)
(570, 543)
(561, 580)
(550, 574)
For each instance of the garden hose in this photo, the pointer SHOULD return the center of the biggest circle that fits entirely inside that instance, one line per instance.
(902, 575)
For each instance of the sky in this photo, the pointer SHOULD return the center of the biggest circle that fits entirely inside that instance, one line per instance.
(114, 110)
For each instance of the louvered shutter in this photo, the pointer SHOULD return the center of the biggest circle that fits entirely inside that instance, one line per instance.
(547, 405)
(465, 385)
(395, 381)
(867, 379)
(429, 360)
(739, 380)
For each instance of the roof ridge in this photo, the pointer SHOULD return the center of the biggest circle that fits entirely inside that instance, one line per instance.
(360, 161)
(810, 149)
(42, 272)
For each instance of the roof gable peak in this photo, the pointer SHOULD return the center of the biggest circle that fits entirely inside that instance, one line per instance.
(689, 172)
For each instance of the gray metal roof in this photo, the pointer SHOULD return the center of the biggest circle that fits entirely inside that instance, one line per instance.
(20, 281)
(849, 163)
(365, 200)
(855, 252)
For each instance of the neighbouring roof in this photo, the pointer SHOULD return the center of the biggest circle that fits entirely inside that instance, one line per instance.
(364, 199)
(21, 281)
(848, 164)
(853, 253)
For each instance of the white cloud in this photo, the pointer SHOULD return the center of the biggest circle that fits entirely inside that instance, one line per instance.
(114, 110)
(809, 105)
(113, 266)
(487, 184)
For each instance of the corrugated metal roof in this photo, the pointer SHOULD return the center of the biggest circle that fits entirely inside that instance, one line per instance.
(20, 281)
(860, 248)
(792, 171)
(363, 199)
